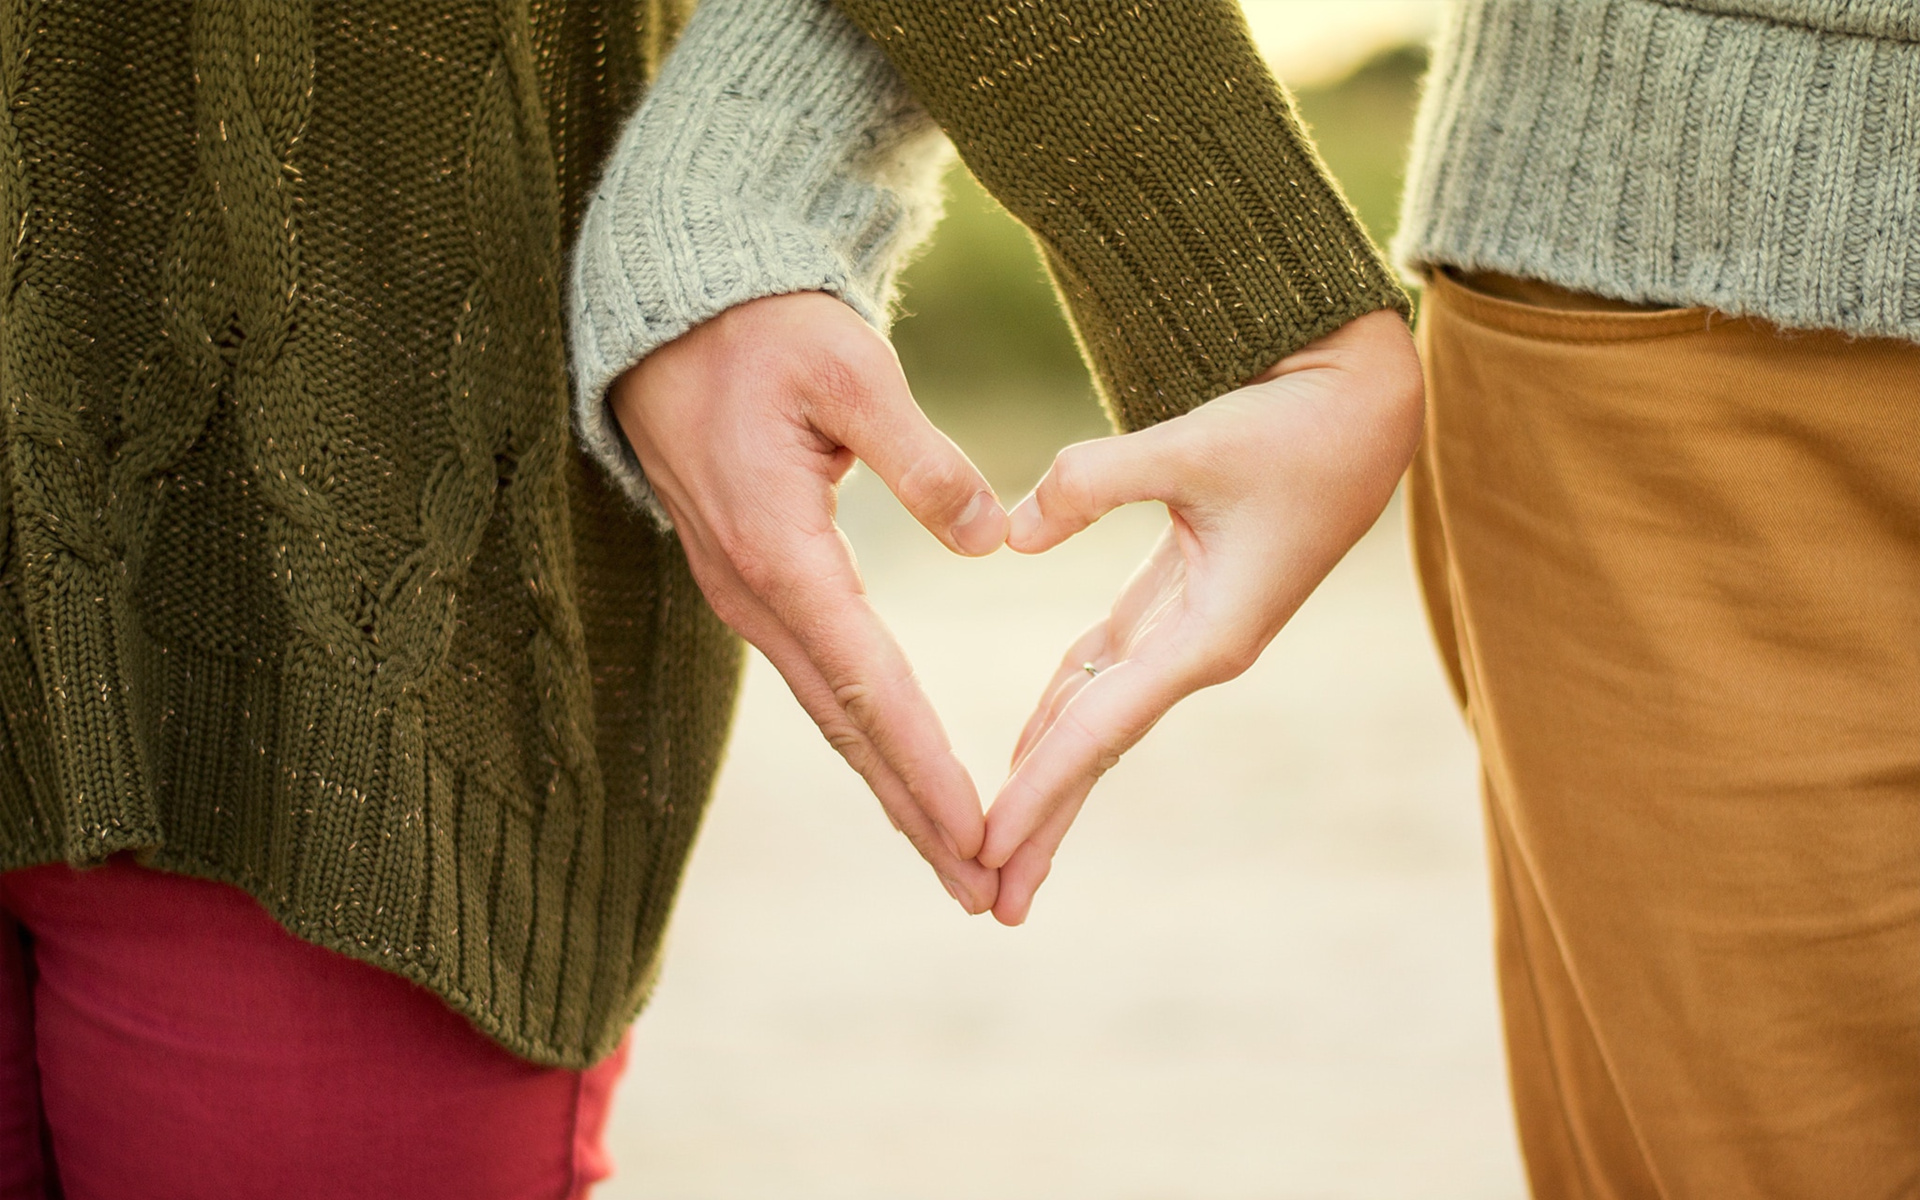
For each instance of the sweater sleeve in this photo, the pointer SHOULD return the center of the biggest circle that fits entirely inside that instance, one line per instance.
(778, 151)
(1191, 229)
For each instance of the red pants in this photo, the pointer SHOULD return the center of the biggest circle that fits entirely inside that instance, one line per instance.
(162, 1037)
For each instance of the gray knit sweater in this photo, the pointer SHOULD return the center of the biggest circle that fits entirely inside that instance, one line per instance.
(779, 151)
(1758, 156)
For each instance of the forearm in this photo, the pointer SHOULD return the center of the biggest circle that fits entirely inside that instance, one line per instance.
(1191, 229)
(778, 152)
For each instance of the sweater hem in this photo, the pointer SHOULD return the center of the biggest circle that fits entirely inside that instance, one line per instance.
(384, 958)
(1666, 155)
(534, 909)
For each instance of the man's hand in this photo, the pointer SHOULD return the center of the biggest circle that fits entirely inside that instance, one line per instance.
(1267, 487)
(745, 426)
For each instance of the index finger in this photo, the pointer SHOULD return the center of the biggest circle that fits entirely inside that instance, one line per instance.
(1085, 738)
(971, 884)
(819, 599)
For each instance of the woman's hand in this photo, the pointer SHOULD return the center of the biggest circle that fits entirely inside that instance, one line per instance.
(1267, 488)
(745, 426)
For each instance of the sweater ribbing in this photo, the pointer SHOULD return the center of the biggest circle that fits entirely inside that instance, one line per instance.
(778, 152)
(1761, 157)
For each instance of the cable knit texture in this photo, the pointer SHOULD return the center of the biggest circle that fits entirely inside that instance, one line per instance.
(778, 152)
(304, 585)
(1758, 156)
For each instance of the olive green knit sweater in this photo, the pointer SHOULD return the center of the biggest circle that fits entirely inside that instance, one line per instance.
(303, 585)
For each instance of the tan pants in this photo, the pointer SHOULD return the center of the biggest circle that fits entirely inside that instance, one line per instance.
(1673, 563)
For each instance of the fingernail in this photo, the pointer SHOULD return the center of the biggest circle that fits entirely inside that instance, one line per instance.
(946, 839)
(1025, 521)
(982, 527)
(953, 889)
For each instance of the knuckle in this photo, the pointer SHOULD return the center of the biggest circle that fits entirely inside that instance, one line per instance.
(841, 367)
(1037, 873)
(734, 612)
(757, 570)
(732, 542)
(860, 702)
(1072, 479)
(829, 376)
(849, 743)
(1242, 662)
(1237, 661)
(923, 843)
(760, 563)
(1226, 662)
(937, 479)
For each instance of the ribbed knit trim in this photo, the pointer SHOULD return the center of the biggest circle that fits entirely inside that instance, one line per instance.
(537, 920)
(778, 152)
(1757, 164)
(1897, 19)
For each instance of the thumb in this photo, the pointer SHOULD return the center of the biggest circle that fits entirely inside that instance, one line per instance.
(878, 419)
(1088, 480)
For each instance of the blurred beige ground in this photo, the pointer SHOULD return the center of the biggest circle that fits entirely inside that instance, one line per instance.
(1261, 968)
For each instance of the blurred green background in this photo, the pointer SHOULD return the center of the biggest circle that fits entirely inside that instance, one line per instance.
(985, 344)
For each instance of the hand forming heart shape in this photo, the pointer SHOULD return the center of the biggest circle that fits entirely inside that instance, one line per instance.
(746, 425)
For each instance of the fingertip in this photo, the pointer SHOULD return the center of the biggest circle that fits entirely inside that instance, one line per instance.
(992, 857)
(983, 527)
(1024, 524)
(965, 846)
(951, 802)
(1013, 816)
(987, 896)
(1002, 838)
(1020, 882)
(969, 903)
(973, 887)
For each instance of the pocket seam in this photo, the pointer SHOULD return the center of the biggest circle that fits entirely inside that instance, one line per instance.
(1567, 325)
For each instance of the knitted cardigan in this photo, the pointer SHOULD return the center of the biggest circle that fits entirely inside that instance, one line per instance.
(1761, 157)
(303, 583)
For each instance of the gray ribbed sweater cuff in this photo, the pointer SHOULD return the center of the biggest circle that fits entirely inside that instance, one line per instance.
(1757, 156)
(777, 152)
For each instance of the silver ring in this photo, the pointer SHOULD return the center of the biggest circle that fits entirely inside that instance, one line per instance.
(1089, 668)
